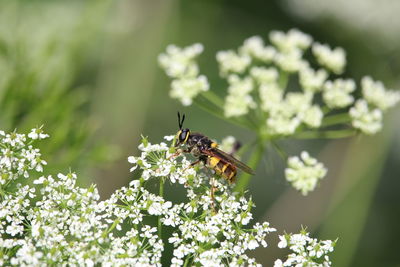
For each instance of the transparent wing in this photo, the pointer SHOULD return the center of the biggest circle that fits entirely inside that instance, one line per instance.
(229, 158)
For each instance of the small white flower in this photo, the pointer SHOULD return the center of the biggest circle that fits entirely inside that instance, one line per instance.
(278, 263)
(264, 76)
(298, 102)
(238, 101)
(291, 61)
(376, 94)
(304, 173)
(186, 89)
(307, 251)
(179, 62)
(37, 133)
(312, 80)
(254, 47)
(169, 137)
(282, 242)
(14, 229)
(335, 60)
(337, 94)
(231, 62)
(364, 119)
(271, 96)
(253, 244)
(312, 116)
(134, 183)
(290, 41)
(287, 115)
(283, 125)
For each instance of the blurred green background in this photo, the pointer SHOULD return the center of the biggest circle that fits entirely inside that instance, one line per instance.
(88, 71)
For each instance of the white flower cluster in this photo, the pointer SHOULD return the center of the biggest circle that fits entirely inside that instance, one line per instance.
(180, 65)
(262, 76)
(334, 60)
(18, 156)
(209, 231)
(284, 113)
(307, 251)
(305, 173)
(56, 222)
(157, 161)
(337, 94)
(238, 101)
(367, 113)
(223, 231)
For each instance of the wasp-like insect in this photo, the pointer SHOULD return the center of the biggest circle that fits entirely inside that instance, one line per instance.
(206, 151)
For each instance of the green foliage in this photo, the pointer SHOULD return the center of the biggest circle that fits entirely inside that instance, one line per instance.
(46, 52)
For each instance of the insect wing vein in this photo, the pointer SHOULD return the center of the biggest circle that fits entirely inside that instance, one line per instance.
(228, 158)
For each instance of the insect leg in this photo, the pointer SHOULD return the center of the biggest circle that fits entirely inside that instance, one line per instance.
(178, 152)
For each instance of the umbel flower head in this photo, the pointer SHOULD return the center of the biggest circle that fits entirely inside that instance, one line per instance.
(181, 66)
(292, 86)
(56, 222)
(258, 77)
(201, 235)
(304, 172)
(306, 251)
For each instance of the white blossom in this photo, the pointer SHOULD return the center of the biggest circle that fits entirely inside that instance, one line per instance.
(334, 60)
(263, 75)
(337, 94)
(179, 64)
(239, 101)
(285, 116)
(291, 61)
(367, 120)
(283, 125)
(306, 251)
(305, 172)
(231, 62)
(37, 133)
(186, 89)
(376, 94)
(254, 47)
(312, 80)
(312, 116)
(292, 40)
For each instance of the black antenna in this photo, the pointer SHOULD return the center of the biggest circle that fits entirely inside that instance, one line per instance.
(180, 122)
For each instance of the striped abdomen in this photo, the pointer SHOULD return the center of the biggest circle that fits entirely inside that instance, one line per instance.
(223, 168)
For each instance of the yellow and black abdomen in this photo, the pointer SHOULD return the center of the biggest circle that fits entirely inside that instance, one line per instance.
(223, 168)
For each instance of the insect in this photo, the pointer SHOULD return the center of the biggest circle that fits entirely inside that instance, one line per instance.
(206, 151)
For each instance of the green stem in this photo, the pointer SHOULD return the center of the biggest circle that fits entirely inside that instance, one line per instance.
(219, 113)
(283, 79)
(336, 119)
(186, 261)
(253, 162)
(334, 134)
(280, 151)
(161, 194)
(213, 98)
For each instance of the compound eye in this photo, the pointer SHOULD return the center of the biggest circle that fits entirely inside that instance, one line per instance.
(182, 136)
